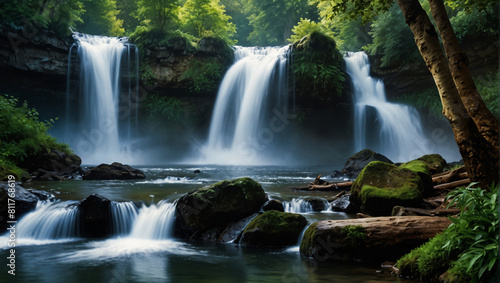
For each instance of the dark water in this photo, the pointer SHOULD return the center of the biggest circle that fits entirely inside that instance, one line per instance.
(127, 259)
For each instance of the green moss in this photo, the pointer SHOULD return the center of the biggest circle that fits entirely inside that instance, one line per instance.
(7, 168)
(309, 237)
(275, 222)
(354, 236)
(380, 186)
(435, 162)
(422, 169)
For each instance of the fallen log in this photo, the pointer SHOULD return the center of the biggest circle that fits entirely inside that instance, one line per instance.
(372, 239)
(453, 176)
(331, 186)
(459, 170)
(452, 185)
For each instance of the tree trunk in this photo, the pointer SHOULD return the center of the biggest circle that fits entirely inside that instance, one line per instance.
(480, 157)
(458, 62)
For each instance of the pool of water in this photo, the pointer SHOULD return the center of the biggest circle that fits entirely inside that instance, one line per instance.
(128, 259)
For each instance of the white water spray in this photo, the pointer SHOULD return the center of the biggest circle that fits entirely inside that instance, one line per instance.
(253, 91)
(392, 129)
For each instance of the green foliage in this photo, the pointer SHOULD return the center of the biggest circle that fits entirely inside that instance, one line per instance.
(393, 39)
(305, 27)
(161, 15)
(205, 74)
(273, 20)
(238, 11)
(100, 18)
(468, 248)
(207, 18)
(127, 10)
(487, 85)
(156, 109)
(317, 65)
(57, 15)
(354, 236)
(345, 9)
(23, 136)
(484, 22)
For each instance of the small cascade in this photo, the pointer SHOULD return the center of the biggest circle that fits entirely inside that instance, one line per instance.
(123, 216)
(297, 205)
(100, 125)
(253, 94)
(154, 222)
(50, 221)
(391, 129)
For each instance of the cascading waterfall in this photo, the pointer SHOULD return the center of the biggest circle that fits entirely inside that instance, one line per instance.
(389, 128)
(101, 129)
(50, 221)
(297, 205)
(253, 91)
(154, 222)
(123, 215)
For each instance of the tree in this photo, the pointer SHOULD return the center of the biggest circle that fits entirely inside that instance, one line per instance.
(207, 18)
(100, 18)
(474, 127)
(127, 13)
(161, 15)
(273, 20)
(238, 10)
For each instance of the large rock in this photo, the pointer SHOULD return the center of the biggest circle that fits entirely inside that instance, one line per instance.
(358, 161)
(381, 186)
(54, 165)
(435, 162)
(24, 202)
(96, 215)
(274, 228)
(115, 171)
(374, 239)
(217, 206)
(423, 171)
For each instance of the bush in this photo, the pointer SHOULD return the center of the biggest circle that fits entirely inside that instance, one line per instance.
(468, 248)
(23, 136)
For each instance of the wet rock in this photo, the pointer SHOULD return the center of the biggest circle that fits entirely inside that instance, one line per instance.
(54, 165)
(115, 171)
(217, 206)
(96, 215)
(24, 202)
(341, 204)
(381, 186)
(273, 229)
(233, 231)
(317, 204)
(42, 195)
(373, 239)
(435, 162)
(273, 205)
(358, 161)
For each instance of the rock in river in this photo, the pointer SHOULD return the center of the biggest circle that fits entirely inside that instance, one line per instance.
(115, 171)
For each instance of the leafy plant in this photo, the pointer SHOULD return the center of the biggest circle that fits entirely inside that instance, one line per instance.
(468, 248)
(157, 109)
(23, 136)
(205, 74)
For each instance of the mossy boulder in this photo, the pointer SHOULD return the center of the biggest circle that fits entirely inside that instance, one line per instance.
(423, 171)
(274, 228)
(380, 186)
(435, 162)
(217, 206)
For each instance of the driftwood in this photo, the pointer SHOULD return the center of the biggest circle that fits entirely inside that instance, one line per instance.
(452, 185)
(331, 186)
(385, 238)
(412, 211)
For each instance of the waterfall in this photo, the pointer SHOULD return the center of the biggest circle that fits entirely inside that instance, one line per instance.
(123, 215)
(389, 128)
(50, 221)
(251, 103)
(154, 222)
(297, 205)
(101, 128)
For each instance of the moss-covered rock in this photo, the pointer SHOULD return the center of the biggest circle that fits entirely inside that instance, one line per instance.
(359, 160)
(380, 186)
(274, 228)
(217, 206)
(435, 162)
(422, 169)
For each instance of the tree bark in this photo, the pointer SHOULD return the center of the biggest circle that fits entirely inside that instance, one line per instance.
(480, 157)
(458, 62)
